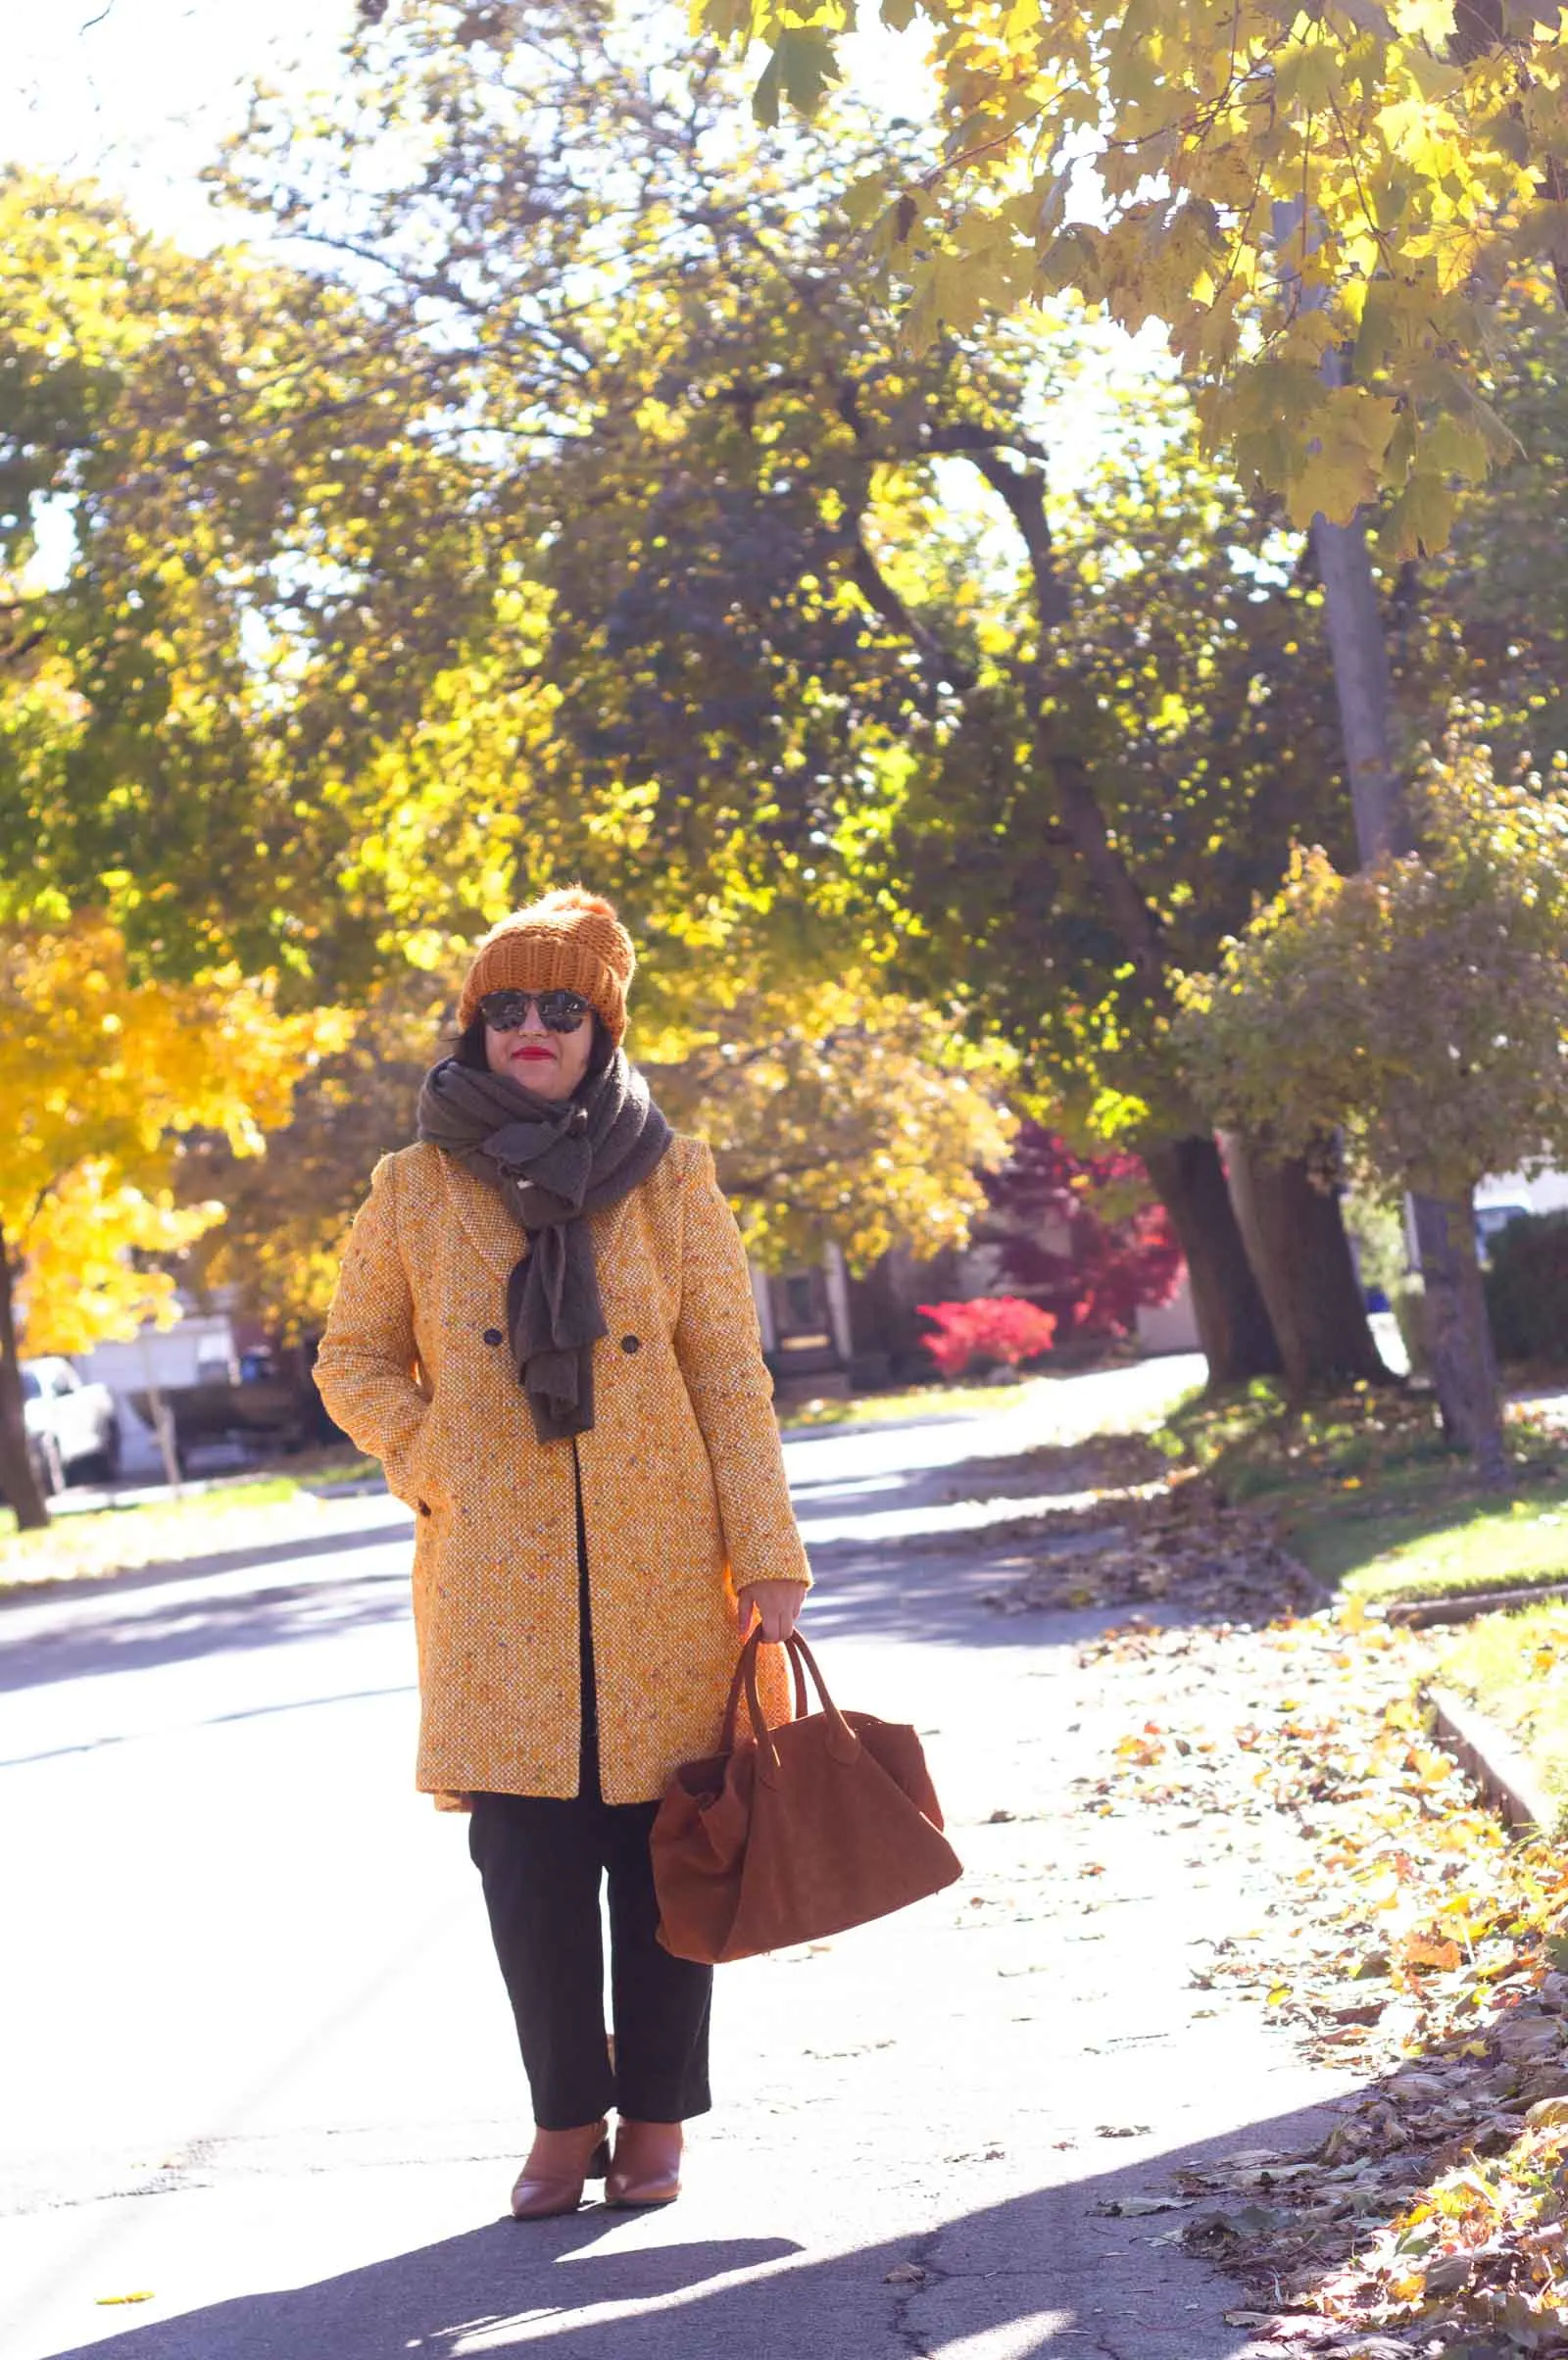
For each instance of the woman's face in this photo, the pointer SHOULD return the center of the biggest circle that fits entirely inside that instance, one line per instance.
(549, 1064)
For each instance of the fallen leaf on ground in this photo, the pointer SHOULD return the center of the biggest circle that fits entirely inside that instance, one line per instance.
(1402, 1934)
(1218, 1561)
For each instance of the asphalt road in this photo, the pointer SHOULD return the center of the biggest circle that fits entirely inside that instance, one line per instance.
(257, 2070)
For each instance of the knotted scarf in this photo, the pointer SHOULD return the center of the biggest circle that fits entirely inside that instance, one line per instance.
(551, 1163)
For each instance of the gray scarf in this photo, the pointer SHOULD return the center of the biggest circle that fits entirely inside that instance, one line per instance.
(551, 1163)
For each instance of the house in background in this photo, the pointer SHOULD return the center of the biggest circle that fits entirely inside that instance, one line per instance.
(1169, 1327)
(807, 1333)
(219, 1385)
(201, 1348)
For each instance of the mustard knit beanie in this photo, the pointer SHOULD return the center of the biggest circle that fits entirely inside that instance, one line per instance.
(570, 940)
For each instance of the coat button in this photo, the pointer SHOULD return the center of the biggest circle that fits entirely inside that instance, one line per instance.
(631, 1344)
(493, 1336)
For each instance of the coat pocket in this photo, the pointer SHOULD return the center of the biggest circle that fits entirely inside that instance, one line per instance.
(412, 1476)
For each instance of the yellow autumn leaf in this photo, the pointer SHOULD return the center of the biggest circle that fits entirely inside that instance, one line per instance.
(1342, 469)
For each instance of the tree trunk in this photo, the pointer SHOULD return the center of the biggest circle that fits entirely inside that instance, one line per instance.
(1456, 1306)
(1363, 684)
(1455, 1311)
(1232, 1323)
(16, 1478)
(1297, 1243)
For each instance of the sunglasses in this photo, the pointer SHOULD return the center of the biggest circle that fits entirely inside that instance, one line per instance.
(559, 1012)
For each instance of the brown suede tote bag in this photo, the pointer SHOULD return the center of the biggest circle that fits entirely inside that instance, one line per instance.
(796, 1832)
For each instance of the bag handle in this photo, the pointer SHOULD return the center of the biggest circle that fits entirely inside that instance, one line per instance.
(843, 1744)
(803, 1702)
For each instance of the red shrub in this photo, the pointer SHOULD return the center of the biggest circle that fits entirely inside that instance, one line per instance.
(1119, 1248)
(994, 1327)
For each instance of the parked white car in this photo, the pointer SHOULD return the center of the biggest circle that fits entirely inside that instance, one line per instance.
(72, 1428)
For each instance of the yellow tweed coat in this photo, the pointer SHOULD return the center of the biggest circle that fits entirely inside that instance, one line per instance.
(683, 1490)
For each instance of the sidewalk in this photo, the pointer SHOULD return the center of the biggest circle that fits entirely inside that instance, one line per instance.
(269, 2076)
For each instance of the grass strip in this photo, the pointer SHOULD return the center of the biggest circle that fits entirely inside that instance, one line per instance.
(1514, 1669)
(1366, 1492)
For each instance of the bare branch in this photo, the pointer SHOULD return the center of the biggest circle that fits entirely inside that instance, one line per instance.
(1024, 493)
(942, 664)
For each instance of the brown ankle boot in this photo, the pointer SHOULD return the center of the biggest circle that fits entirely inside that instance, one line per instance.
(559, 2162)
(646, 2169)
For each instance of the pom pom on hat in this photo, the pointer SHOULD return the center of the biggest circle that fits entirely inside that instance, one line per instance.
(569, 940)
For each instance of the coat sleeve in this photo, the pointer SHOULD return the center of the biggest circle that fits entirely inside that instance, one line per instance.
(364, 1369)
(719, 1349)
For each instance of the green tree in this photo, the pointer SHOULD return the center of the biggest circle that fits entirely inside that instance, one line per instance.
(1491, 619)
(1325, 216)
(284, 1214)
(1419, 1007)
(1034, 771)
(277, 564)
(743, 680)
(840, 1113)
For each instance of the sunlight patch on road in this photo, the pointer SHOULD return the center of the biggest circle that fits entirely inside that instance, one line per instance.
(1016, 2340)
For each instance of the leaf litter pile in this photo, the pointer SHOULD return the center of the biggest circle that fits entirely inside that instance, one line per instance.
(1171, 1539)
(1420, 1945)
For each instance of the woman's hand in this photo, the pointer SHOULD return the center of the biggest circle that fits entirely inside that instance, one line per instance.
(775, 1604)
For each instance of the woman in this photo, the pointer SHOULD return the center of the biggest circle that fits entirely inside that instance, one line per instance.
(543, 1329)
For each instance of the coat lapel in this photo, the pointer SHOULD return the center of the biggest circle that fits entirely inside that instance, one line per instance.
(491, 1230)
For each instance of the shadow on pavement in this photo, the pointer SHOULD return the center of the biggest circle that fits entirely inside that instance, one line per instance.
(94, 1585)
(1046, 2276)
(937, 1595)
(887, 1589)
(885, 1569)
(185, 1627)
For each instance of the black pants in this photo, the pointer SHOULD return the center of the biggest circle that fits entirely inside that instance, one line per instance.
(543, 1862)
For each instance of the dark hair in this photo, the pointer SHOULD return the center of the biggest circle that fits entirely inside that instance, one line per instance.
(470, 1048)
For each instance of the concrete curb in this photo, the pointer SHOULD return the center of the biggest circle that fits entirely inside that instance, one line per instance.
(1417, 1614)
(1504, 1775)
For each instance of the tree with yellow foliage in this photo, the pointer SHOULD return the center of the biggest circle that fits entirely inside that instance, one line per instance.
(102, 1076)
(1274, 185)
(840, 1112)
